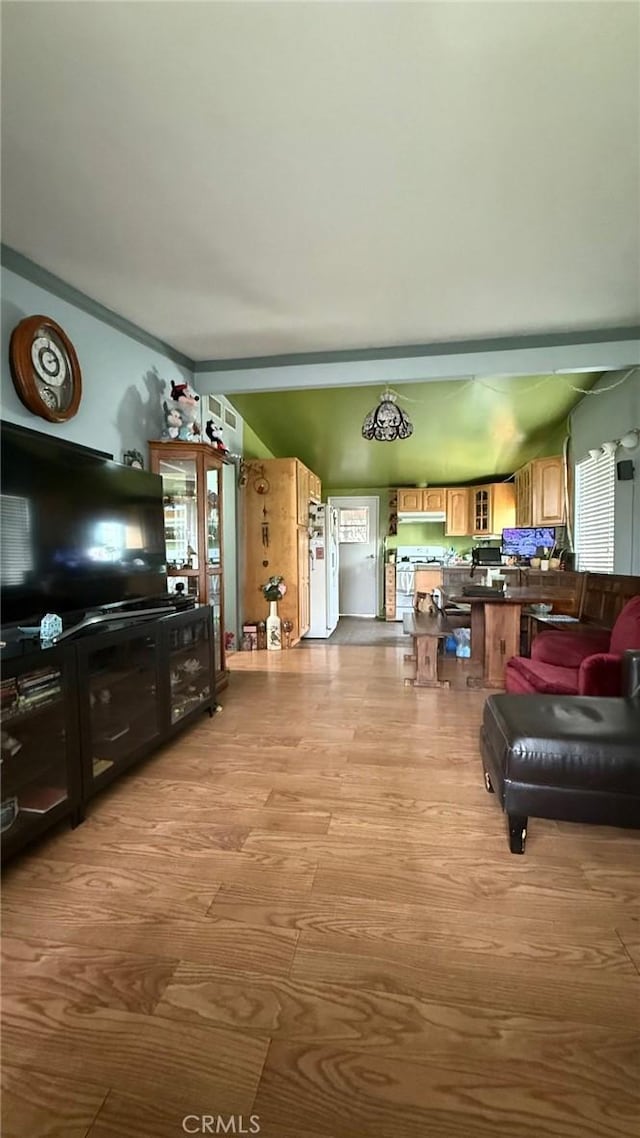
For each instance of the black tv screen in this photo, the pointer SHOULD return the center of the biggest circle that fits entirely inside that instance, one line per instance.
(78, 530)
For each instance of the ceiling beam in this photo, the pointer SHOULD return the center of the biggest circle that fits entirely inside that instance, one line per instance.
(598, 351)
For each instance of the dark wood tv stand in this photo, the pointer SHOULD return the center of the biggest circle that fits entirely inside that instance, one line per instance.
(78, 714)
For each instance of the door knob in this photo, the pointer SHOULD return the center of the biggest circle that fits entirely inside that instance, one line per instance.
(370, 556)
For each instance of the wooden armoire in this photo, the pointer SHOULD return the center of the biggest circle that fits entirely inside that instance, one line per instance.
(277, 495)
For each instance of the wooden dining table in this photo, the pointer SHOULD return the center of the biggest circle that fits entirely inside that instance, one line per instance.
(495, 626)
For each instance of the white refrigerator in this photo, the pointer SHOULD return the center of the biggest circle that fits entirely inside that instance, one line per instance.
(323, 573)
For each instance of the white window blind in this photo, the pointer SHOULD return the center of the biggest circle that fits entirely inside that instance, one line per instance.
(595, 497)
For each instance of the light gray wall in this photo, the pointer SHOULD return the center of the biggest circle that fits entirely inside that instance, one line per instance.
(123, 380)
(602, 417)
(123, 385)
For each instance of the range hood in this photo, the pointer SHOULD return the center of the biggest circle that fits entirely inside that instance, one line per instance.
(421, 516)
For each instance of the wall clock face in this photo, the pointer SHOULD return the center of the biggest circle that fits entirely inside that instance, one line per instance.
(45, 369)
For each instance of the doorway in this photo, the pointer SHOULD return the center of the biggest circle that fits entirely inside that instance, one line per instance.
(358, 527)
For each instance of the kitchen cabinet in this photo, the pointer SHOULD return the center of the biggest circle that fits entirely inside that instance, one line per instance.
(315, 487)
(524, 500)
(192, 495)
(422, 501)
(548, 491)
(540, 492)
(276, 539)
(427, 580)
(493, 508)
(457, 512)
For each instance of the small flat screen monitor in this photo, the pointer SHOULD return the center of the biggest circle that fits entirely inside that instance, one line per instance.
(526, 541)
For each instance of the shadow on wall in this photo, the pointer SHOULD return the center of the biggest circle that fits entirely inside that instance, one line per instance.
(138, 419)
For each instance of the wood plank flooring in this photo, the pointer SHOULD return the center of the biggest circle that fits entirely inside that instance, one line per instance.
(305, 912)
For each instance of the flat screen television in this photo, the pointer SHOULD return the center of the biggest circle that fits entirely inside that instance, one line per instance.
(526, 541)
(78, 531)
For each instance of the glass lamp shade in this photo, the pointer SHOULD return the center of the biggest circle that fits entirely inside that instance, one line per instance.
(387, 421)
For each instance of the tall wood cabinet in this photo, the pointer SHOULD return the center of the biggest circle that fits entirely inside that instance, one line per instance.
(276, 498)
(192, 493)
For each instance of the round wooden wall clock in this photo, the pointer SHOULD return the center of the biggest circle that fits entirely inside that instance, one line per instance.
(45, 369)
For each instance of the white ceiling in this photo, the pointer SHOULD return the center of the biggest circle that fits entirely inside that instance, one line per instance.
(252, 179)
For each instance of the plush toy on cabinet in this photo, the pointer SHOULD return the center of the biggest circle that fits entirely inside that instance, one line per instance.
(214, 436)
(186, 401)
(173, 421)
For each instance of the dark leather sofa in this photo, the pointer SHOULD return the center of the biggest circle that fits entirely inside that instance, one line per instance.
(573, 758)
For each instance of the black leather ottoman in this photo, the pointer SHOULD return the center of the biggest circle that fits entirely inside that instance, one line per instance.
(574, 758)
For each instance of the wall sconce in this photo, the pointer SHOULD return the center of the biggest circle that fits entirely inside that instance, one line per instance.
(631, 439)
(595, 453)
(610, 448)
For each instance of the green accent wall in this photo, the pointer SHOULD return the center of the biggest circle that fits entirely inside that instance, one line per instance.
(253, 447)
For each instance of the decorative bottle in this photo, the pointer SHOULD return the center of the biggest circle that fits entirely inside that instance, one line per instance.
(274, 628)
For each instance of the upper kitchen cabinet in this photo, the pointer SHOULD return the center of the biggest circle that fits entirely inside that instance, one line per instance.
(315, 487)
(540, 492)
(457, 507)
(422, 501)
(492, 508)
(548, 491)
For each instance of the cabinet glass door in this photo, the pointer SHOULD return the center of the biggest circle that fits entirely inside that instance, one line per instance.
(34, 748)
(482, 511)
(123, 700)
(189, 667)
(214, 562)
(215, 602)
(180, 497)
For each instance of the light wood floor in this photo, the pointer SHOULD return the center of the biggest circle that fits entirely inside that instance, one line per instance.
(306, 910)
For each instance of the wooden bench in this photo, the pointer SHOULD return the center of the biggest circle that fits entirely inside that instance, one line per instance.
(426, 631)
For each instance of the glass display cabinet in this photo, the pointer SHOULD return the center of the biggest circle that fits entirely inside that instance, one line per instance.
(192, 484)
(38, 745)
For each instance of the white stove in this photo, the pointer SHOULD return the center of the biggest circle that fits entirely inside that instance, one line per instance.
(408, 558)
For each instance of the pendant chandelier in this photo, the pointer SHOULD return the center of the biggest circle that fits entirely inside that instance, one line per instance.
(387, 421)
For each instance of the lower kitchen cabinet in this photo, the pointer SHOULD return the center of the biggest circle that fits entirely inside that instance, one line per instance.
(78, 714)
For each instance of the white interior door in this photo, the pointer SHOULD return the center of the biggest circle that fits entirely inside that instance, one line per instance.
(358, 544)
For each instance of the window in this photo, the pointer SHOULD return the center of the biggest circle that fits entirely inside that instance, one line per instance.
(594, 516)
(353, 525)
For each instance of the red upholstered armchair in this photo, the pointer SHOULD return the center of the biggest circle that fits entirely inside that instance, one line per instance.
(578, 663)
